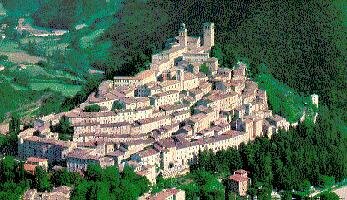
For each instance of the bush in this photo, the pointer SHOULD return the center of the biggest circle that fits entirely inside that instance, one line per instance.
(204, 69)
(92, 108)
(3, 57)
(117, 105)
(329, 196)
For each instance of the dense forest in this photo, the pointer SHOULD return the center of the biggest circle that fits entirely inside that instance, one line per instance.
(301, 43)
(294, 160)
(97, 183)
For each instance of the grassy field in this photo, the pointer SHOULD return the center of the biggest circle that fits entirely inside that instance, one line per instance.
(284, 100)
(88, 40)
(65, 89)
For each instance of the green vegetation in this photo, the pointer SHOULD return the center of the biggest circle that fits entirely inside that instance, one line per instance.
(329, 196)
(307, 61)
(42, 182)
(97, 183)
(92, 108)
(8, 143)
(303, 156)
(71, 13)
(110, 184)
(284, 100)
(304, 52)
(12, 176)
(64, 129)
(200, 183)
(3, 57)
(204, 69)
(117, 105)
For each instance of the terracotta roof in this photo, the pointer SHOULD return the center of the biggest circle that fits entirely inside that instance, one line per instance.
(35, 160)
(168, 83)
(145, 74)
(197, 117)
(48, 141)
(167, 143)
(30, 168)
(163, 195)
(83, 154)
(63, 189)
(147, 152)
(238, 178)
(189, 76)
(168, 107)
(240, 171)
(162, 94)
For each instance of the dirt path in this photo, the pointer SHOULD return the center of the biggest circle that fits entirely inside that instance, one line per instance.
(342, 192)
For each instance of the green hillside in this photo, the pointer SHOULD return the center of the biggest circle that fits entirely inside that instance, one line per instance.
(307, 52)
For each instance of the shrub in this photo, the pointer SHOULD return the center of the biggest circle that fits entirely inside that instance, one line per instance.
(3, 57)
(92, 108)
(117, 105)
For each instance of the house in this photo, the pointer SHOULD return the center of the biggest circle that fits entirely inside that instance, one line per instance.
(238, 182)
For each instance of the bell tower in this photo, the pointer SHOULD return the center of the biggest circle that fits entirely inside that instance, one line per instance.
(208, 34)
(182, 35)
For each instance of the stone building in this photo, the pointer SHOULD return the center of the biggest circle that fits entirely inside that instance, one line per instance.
(238, 182)
(167, 114)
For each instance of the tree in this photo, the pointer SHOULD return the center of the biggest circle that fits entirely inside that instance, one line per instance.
(204, 69)
(7, 169)
(81, 190)
(329, 196)
(327, 181)
(92, 108)
(14, 125)
(117, 105)
(3, 57)
(63, 177)
(94, 172)
(42, 180)
(64, 128)
(112, 176)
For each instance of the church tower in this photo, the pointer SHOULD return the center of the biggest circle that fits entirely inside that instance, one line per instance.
(208, 34)
(182, 35)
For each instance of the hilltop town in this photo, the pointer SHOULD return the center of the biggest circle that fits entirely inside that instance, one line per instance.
(159, 120)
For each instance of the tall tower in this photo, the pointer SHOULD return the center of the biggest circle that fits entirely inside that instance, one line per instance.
(182, 35)
(180, 74)
(208, 34)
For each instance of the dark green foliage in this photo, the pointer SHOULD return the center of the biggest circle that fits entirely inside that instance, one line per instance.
(12, 179)
(42, 180)
(92, 108)
(117, 105)
(198, 184)
(92, 83)
(141, 29)
(210, 187)
(326, 181)
(3, 57)
(63, 177)
(329, 196)
(8, 143)
(14, 124)
(204, 69)
(94, 173)
(64, 14)
(64, 128)
(110, 184)
(98, 183)
(223, 161)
